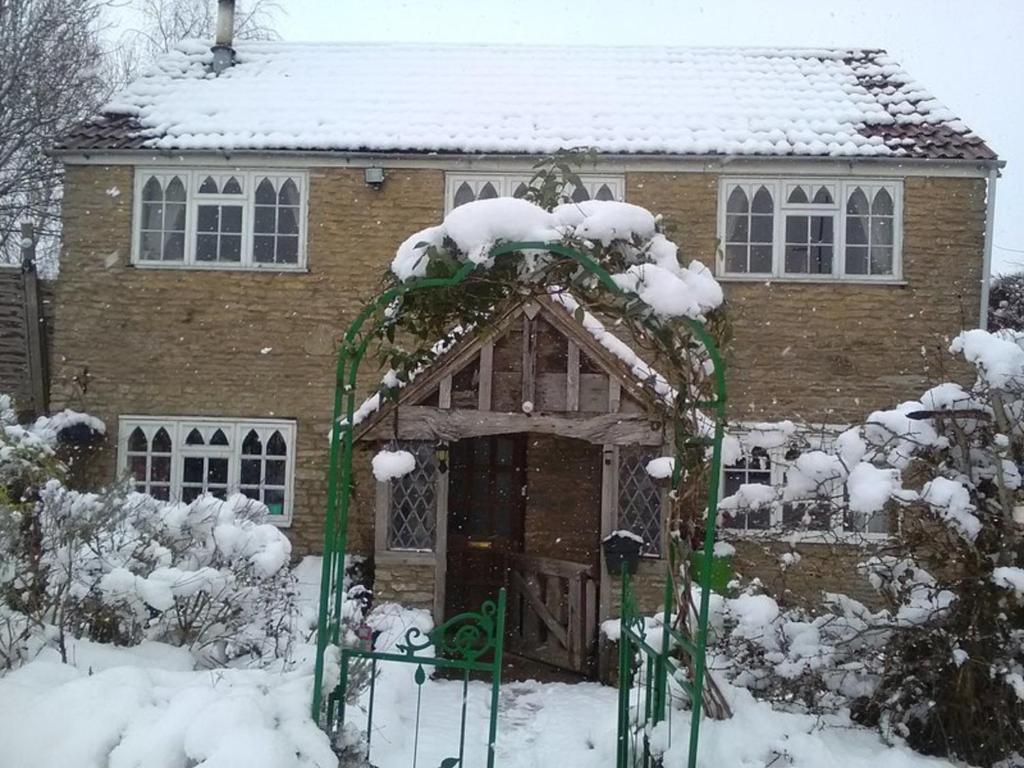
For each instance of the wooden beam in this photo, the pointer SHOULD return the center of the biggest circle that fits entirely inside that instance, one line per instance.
(486, 375)
(614, 394)
(529, 360)
(572, 377)
(33, 321)
(424, 422)
(444, 393)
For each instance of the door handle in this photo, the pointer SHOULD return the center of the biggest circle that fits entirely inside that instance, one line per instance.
(480, 544)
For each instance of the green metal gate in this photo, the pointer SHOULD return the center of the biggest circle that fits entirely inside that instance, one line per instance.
(466, 643)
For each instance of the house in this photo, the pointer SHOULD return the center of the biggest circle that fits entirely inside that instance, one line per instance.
(231, 211)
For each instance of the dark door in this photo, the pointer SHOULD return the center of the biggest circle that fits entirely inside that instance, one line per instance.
(486, 509)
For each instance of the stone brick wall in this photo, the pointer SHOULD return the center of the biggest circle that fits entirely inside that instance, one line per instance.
(401, 582)
(178, 342)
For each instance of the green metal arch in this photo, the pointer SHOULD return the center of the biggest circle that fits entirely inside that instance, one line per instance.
(353, 350)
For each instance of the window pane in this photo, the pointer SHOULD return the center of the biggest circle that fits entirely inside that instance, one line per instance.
(174, 217)
(798, 196)
(250, 473)
(288, 221)
(856, 260)
(231, 218)
(737, 202)
(856, 230)
(193, 469)
(882, 204)
(464, 194)
(152, 216)
(190, 493)
(209, 186)
(760, 258)
(881, 260)
(287, 249)
(231, 248)
(822, 229)
(137, 467)
(580, 194)
(208, 218)
(206, 247)
(160, 469)
(796, 258)
(265, 193)
(759, 519)
(219, 438)
(275, 472)
(217, 471)
(604, 192)
(174, 247)
(736, 230)
(639, 498)
(823, 196)
(289, 194)
(263, 220)
(252, 445)
(821, 259)
(487, 192)
(137, 440)
(881, 230)
(796, 229)
(762, 201)
(162, 492)
(274, 499)
(152, 190)
(276, 445)
(175, 191)
(735, 258)
(263, 248)
(194, 437)
(232, 187)
(152, 243)
(857, 205)
(161, 441)
(520, 190)
(761, 229)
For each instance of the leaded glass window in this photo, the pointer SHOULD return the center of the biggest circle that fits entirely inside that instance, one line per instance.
(640, 498)
(413, 507)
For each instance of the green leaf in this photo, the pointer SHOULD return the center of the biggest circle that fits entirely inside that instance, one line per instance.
(579, 314)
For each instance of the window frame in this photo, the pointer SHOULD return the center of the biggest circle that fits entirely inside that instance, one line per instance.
(506, 184)
(178, 428)
(192, 178)
(842, 188)
(664, 505)
(820, 439)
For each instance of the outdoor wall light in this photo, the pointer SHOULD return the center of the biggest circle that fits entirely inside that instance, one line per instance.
(374, 177)
(441, 453)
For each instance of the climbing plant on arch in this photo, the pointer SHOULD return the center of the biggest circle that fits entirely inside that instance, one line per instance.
(610, 259)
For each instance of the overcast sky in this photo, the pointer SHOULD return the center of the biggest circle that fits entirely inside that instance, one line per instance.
(970, 54)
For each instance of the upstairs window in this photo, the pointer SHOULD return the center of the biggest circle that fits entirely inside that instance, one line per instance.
(805, 229)
(180, 459)
(233, 219)
(469, 187)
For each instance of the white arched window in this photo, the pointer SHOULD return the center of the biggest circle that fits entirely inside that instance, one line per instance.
(749, 229)
(220, 219)
(466, 188)
(181, 459)
(870, 231)
(162, 218)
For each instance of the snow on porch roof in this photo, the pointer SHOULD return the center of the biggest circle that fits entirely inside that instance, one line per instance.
(531, 100)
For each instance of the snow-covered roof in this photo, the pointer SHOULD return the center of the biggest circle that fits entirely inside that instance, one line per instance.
(402, 97)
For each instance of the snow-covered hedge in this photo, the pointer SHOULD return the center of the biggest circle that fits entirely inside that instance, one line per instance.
(123, 567)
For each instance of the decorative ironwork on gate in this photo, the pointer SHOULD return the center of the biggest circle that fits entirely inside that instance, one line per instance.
(466, 643)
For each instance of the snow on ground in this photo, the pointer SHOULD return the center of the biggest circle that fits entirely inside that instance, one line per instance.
(145, 707)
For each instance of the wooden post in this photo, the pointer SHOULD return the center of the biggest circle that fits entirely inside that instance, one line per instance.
(34, 336)
(572, 377)
(529, 360)
(486, 376)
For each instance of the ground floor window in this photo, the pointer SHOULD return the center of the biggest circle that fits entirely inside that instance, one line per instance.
(824, 515)
(412, 501)
(640, 498)
(179, 459)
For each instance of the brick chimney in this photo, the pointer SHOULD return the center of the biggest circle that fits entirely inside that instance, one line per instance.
(223, 53)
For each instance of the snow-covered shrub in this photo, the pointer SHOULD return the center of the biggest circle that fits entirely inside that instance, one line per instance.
(121, 567)
(1006, 302)
(944, 663)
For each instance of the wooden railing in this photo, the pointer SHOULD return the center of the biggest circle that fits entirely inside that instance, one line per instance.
(552, 611)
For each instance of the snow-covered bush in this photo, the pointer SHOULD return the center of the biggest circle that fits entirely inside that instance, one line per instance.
(942, 663)
(1006, 302)
(122, 567)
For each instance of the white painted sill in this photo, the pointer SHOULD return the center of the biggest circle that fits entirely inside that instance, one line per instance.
(837, 281)
(183, 267)
(404, 557)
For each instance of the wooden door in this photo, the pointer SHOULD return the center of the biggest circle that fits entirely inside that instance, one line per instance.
(486, 510)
